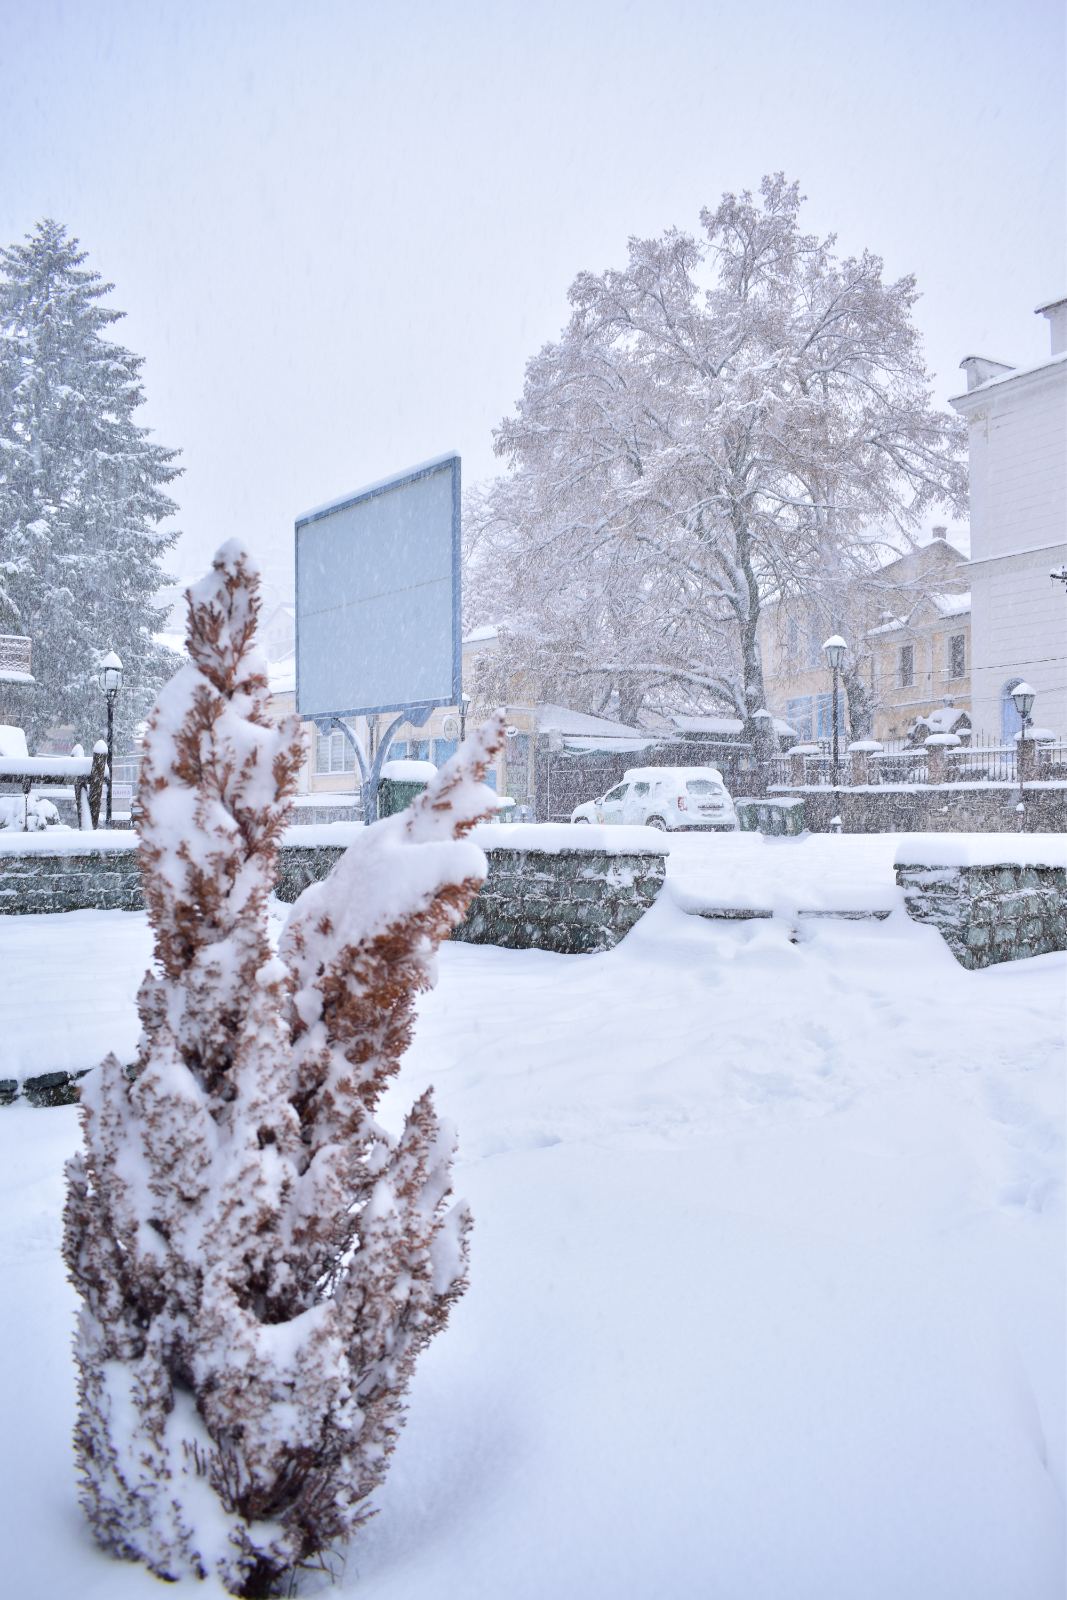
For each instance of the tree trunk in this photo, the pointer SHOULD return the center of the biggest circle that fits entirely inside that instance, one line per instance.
(860, 704)
(756, 729)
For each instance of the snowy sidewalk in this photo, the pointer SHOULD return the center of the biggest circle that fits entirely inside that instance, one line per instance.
(767, 1278)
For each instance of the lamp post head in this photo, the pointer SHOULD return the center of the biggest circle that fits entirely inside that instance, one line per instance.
(835, 648)
(110, 674)
(1023, 698)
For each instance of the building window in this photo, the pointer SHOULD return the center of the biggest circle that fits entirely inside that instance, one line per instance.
(333, 753)
(824, 715)
(907, 665)
(957, 655)
(444, 750)
(798, 716)
(816, 658)
(517, 770)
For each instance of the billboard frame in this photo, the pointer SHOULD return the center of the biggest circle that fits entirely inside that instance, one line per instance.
(373, 491)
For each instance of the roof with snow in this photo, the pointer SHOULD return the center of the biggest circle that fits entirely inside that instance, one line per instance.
(952, 605)
(281, 675)
(581, 730)
(1011, 376)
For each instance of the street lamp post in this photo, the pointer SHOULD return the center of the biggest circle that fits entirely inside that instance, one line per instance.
(835, 654)
(1023, 697)
(110, 679)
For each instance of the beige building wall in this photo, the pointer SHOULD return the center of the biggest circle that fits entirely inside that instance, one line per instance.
(887, 611)
(933, 661)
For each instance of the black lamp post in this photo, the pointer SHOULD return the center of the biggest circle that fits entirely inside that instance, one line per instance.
(835, 654)
(1022, 698)
(110, 678)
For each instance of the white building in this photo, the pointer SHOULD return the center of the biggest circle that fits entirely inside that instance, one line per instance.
(1018, 452)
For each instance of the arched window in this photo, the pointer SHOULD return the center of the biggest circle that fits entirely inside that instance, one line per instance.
(1010, 720)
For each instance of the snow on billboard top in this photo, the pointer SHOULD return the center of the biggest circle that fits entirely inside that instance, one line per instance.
(377, 596)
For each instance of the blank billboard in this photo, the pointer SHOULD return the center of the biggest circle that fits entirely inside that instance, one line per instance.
(377, 596)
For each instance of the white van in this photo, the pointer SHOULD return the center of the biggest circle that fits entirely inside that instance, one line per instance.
(665, 797)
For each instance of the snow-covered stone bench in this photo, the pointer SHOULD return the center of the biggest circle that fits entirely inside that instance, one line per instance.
(992, 897)
(21, 773)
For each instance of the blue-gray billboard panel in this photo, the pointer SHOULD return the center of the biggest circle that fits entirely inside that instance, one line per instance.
(378, 599)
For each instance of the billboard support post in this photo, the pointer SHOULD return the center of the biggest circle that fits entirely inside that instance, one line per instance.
(370, 777)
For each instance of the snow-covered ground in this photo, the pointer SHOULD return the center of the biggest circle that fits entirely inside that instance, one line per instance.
(767, 1294)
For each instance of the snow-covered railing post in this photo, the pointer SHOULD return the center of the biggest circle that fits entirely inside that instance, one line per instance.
(798, 759)
(937, 747)
(860, 753)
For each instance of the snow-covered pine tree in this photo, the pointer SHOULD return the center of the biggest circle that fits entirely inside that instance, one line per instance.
(81, 491)
(259, 1261)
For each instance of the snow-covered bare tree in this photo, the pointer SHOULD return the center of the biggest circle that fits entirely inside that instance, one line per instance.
(81, 491)
(259, 1260)
(721, 419)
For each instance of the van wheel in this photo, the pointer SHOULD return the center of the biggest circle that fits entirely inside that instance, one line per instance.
(656, 822)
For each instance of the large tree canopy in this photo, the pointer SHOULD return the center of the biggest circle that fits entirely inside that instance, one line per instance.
(722, 419)
(81, 490)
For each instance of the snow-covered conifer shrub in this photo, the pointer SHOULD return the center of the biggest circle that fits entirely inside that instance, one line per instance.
(259, 1262)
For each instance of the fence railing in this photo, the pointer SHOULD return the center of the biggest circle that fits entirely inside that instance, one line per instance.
(1051, 763)
(903, 763)
(989, 763)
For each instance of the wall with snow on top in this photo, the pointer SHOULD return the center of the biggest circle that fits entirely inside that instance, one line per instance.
(991, 899)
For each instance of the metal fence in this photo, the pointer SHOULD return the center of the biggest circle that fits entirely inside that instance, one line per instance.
(900, 762)
(982, 763)
(1052, 762)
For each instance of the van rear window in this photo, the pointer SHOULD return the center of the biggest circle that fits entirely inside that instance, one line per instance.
(702, 786)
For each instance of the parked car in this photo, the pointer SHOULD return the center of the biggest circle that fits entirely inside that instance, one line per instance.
(665, 797)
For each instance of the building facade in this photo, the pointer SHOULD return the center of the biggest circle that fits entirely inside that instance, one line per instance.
(907, 626)
(1018, 469)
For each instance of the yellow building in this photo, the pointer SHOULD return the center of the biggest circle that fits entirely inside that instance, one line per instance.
(907, 626)
(920, 664)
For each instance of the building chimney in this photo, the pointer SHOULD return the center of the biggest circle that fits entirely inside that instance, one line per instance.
(940, 533)
(980, 369)
(1056, 312)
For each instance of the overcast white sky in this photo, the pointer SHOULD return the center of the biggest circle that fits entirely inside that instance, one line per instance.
(340, 229)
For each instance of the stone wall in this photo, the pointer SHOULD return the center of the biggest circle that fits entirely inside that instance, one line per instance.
(988, 914)
(84, 880)
(572, 901)
(940, 808)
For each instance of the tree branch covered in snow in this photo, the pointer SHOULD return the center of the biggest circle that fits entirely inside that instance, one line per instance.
(259, 1260)
(721, 419)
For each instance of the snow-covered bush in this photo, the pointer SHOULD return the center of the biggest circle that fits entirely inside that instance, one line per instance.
(259, 1261)
(27, 815)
